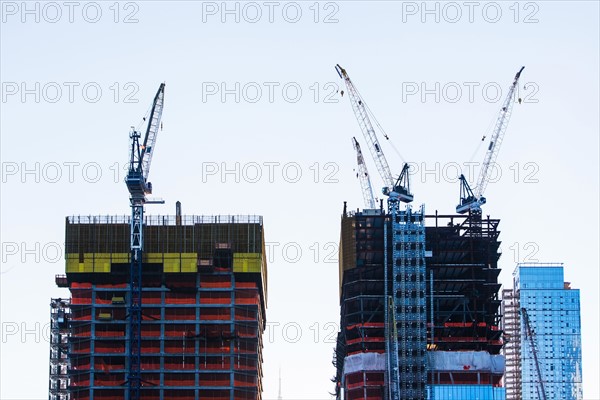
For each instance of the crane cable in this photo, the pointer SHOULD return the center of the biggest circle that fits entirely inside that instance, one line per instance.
(385, 135)
(138, 129)
(488, 130)
(481, 142)
(144, 118)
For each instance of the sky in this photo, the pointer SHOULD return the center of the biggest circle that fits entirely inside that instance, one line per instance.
(254, 123)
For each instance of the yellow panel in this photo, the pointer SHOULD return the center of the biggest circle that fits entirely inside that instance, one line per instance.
(188, 262)
(172, 265)
(120, 257)
(172, 262)
(102, 262)
(189, 267)
(72, 265)
(153, 258)
(102, 255)
(172, 255)
(247, 262)
(103, 267)
(88, 262)
(94, 262)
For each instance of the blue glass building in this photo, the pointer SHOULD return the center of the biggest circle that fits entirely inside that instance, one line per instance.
(549, 333)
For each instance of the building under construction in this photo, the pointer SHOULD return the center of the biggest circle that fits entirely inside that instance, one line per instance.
(204, 296)
(440, 337)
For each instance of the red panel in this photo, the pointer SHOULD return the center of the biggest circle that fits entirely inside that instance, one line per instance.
(150, 330)
(180, 298)
(215, 281)
(180, 314)
(247, 297)
(110, 346)
(245, 315)
(180, 380)
(214, 380)
(215, 298)
(180, 330)
(108, 379)
(217, 314)
(151, 298)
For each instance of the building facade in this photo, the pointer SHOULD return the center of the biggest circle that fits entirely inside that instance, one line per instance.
(204, 293)
(544, 322)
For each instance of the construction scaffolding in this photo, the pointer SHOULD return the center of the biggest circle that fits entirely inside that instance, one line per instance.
(59, 349)
(204, 292)
(511, 326)
(409, 288)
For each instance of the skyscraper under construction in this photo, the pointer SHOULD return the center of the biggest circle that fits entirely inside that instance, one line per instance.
(419, 306)
(204, 296)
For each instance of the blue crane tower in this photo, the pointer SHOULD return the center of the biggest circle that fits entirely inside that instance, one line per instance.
(139, 186)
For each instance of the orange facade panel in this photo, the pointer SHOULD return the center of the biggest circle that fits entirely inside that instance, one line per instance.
(215, 281)
(180, 298)
(215, 379)
(216, 297)
(215, 314)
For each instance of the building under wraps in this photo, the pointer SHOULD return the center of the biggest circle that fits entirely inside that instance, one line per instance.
(441, 338)
(204, 296)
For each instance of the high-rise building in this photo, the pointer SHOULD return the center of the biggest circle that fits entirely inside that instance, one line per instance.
(441, 272)
(542, 319)
(204, 294)
(511, 326)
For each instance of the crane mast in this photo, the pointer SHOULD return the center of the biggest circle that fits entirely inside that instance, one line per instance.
(396, 188)
(472, 200)
(138, 186)
(363, 176)
(530, 335)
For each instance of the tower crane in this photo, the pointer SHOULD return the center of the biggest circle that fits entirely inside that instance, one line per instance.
(363, 176)
(531, 336)
(473, 199)
(395, 188)
(139, 186)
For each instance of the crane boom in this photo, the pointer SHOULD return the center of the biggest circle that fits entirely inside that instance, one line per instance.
(363, 176)
(473, 199)
(530, 335)
(152, 130)
(366, 127)
(394, 187)
(138, 186)
(497, 137)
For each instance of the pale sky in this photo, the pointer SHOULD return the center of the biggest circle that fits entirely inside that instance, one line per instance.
(253, 124)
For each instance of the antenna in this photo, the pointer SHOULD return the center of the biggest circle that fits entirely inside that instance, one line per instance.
(279, 397)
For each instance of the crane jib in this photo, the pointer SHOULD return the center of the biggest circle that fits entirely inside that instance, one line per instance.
(364, 122)
(473, 201)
